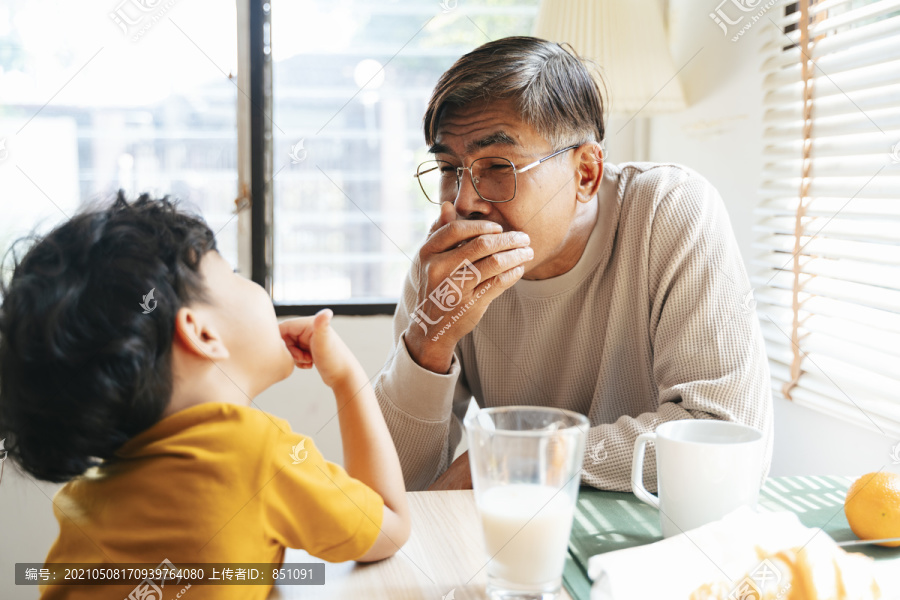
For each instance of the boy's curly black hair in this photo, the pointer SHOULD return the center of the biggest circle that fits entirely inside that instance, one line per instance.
(82, 367)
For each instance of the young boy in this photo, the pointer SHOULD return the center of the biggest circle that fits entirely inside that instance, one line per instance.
(130, 355)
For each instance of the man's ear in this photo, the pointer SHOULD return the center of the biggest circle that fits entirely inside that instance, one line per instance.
(590, 170)
(195, 333)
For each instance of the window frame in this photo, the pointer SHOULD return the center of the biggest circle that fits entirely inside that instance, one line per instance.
(259, 234)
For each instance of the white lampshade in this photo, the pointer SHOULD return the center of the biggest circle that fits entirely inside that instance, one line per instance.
(627, 39)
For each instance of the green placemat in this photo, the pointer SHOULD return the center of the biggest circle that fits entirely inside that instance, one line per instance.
(607, 521)
(575, 579)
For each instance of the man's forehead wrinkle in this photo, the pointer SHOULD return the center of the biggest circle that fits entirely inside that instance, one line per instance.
(469, 127)
(469, 119)
(465, 126)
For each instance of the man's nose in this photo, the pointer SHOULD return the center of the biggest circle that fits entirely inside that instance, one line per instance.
(468, 203)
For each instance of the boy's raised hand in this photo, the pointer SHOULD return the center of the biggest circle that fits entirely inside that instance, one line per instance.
(369, 452)
(312, 342)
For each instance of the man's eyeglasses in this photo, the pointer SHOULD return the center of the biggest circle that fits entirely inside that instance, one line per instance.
(493, 178)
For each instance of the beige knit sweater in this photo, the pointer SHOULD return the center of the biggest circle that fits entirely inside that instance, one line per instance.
(654, 323)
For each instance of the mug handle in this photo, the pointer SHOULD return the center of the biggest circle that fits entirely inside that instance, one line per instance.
(637, 471)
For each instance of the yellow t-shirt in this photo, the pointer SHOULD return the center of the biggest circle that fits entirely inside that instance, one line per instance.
(212, 483)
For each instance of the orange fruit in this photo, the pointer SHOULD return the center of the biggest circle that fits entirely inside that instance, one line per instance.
(872, 507)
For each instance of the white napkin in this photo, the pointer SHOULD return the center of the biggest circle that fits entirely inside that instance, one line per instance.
(676, 566)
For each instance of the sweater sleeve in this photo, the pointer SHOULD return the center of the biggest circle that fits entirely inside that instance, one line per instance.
(709, 359)
(423, 409)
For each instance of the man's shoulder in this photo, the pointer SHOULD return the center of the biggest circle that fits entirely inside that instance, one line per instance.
(657, 180)
(647, 188)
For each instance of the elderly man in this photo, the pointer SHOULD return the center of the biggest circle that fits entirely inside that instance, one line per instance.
(553, 278)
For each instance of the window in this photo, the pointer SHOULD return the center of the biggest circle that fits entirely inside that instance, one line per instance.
(828, 217)
(108, 94)
(350, 83)
(146, 97)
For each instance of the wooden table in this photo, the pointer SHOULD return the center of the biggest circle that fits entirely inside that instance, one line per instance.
(445, 553)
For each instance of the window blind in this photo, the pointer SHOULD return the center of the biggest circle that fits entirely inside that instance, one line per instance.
(826, 257)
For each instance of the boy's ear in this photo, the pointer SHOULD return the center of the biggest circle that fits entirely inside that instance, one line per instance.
(197, 335)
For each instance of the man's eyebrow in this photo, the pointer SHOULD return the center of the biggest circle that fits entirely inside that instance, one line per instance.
(498, 137)
(439, 148)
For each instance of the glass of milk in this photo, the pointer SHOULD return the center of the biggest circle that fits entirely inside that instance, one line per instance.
(526, 470)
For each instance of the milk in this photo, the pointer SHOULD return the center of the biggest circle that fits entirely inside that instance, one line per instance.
(526, 531)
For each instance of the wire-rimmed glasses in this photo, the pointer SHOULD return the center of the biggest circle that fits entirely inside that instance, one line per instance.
(494, 178)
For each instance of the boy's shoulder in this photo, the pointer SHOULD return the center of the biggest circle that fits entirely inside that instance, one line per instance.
(217, 427)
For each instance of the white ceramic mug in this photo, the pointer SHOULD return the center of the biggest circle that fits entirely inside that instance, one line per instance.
(705, 469)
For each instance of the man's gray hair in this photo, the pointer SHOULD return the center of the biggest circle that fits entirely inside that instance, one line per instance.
(550, 85)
